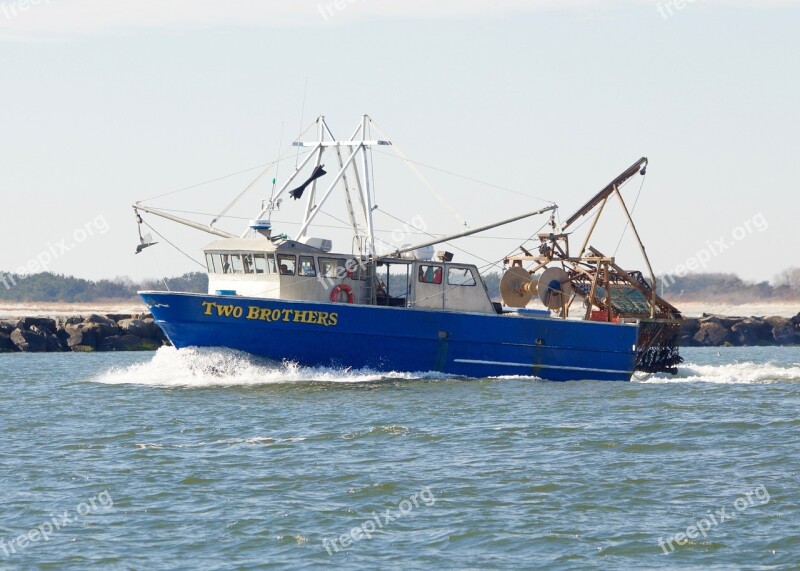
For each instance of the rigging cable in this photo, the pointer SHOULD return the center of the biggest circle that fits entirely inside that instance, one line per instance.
(588, 215)
(206, 182)
(465, 177)
(277, 172)
(412, 167)
(633, 209)
(337, 227)
(372, 175)
(435, 236)
(241, 194)
(170, 193)
(302, 117)
(160, 235)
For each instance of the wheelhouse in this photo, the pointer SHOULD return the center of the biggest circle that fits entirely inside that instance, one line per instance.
(258, 267)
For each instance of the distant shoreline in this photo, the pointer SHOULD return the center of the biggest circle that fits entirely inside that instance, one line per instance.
(13, 310)
(767, 309)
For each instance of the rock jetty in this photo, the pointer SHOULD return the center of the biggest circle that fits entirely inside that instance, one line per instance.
(716, 331)
(131, 332)
(114, 332)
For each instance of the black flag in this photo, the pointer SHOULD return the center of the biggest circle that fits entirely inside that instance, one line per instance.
(298, 192)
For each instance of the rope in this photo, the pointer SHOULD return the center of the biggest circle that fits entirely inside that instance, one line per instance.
(412, 167)
(530, 238)
(372, 176)
(463, 251)
(277, 172)
(250, 186)
(241, 194)
(633, 209)
(464, 177)
(170, 193)
(206, 182)
(160, 273)
(340, 227)
(173, 245)
(588, 215)
(302, 117)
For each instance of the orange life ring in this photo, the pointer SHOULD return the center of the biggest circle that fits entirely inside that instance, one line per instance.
(339, 289)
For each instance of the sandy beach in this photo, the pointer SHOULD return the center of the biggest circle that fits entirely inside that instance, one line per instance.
(55, 309)
(698, 308)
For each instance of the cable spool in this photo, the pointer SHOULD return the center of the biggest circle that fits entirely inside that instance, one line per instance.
(555, 288)
(517, 287)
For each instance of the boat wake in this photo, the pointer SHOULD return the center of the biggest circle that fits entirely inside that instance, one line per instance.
(194, 367)
(747, 373)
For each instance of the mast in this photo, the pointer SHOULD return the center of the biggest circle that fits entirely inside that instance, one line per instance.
(367, 190)
(313, 191)
(359, 161)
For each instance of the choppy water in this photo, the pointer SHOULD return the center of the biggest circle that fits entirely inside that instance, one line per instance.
(213, 461)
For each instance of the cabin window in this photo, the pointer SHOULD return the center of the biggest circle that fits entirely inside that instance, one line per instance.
(430, 274)
(460, 277)
(332, 268)
(307, 266)
(236, 264)
(287, 264)
(214, 262)
(249, 264)
(260, 263)
(356, 269)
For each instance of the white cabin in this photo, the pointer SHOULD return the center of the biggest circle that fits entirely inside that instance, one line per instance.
(258, 267)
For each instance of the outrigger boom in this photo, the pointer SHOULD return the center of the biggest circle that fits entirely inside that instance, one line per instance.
(401, 251)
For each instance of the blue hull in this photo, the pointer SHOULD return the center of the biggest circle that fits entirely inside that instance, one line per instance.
(398, 339)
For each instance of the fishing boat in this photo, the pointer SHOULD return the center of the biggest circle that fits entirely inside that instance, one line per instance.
(415, 308)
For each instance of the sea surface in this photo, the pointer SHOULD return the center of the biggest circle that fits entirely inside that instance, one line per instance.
(213, 460)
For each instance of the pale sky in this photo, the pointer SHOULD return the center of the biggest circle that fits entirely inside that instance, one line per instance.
(107, 102)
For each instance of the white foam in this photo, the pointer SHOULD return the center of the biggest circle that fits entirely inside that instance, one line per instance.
(193, 367)
(256, 440)
(747, 373)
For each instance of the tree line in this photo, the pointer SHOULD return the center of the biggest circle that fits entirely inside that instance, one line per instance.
(48, 286)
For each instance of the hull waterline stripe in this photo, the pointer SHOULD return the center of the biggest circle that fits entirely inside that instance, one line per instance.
(531, 366)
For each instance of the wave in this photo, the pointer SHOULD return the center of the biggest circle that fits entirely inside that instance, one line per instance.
(195, 367)
(746, 373)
